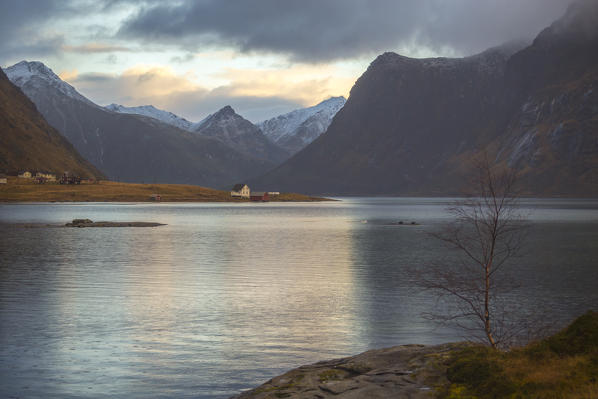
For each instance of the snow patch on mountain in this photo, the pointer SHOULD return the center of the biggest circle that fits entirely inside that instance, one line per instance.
(300, 127)
(153, 112)
(36, 75)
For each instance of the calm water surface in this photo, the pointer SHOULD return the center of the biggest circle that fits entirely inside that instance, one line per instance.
(226, 296)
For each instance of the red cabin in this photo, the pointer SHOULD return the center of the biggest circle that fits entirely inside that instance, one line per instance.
(259, 196)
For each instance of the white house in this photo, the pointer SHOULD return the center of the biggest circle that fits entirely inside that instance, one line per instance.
(240, 190)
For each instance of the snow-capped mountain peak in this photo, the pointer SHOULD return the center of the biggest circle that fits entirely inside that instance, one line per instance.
(153, 112)
(300, 127)
(35, 73)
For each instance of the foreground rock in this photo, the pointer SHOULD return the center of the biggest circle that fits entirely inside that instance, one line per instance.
(409, 371)
(89, 223)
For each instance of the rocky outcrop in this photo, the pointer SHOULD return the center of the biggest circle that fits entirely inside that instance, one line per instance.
(409, 371)
(90, 223)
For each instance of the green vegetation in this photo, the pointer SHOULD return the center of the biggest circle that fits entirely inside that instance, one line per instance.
(330, 374)
(564, 366)
(278, 390)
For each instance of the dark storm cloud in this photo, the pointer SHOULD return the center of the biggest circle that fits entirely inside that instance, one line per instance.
(317, 30)
(19, 21)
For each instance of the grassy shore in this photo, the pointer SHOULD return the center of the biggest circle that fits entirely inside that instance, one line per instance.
(564, 366)
(24, 190)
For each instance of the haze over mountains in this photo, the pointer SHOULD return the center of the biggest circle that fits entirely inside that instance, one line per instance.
(410, 125)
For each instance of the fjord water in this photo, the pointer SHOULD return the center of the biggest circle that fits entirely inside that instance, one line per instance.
(225, 296)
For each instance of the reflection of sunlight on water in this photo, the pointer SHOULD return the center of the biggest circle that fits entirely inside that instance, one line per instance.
(290, 283)
(226, 296)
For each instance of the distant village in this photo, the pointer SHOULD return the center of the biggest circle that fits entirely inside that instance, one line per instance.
(243, 191)
(42, 177)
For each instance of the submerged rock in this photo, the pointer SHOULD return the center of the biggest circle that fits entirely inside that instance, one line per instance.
(90, 223)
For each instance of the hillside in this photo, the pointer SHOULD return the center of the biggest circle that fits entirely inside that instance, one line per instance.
(409, 125)
(27, 141)
(132, 148)
(241, 135)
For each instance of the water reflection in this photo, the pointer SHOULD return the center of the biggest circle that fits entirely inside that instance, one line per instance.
(226, 296)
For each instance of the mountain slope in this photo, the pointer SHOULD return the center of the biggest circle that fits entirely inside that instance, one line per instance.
(296, 129)
(28, 142)
(131, 147)
(153, 112)
(403, 119)
(240, 134)
(410, 125)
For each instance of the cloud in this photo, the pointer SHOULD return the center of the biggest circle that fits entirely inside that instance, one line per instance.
(255, 94)
(33, 46)
(183, 59)
(95, 48)
(316, 31)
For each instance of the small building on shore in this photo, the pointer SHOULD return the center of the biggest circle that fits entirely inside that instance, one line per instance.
(3, 179)
(68, 178)
(259, 196)
(25, 174)
(155, 197)
(240, 191)
(47, 176)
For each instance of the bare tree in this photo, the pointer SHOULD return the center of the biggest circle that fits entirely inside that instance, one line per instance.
(487, 232)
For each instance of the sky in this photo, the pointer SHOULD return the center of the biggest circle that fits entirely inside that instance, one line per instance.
(262, 57)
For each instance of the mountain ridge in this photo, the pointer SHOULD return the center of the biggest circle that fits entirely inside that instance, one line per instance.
(28, 142)
(133, 148)
(240, 134)
(409, 125)
(294, 130)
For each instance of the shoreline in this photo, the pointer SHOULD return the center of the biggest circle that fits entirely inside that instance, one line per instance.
(562, 365)
(19, 191)
(406, 371)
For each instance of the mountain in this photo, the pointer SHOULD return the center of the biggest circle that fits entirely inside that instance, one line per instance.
(37, 76)
(296, 129)
(153, 112)
(28, 142)
(129, 147)
(409, 125)
(238, 133)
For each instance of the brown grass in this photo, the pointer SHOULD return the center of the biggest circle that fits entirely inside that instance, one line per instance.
(24, 190)
(564, 366)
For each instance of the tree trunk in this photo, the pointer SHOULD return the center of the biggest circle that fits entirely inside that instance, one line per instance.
(487, 326)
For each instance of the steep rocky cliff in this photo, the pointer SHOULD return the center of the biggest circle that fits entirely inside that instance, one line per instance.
(410, 125)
